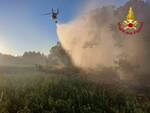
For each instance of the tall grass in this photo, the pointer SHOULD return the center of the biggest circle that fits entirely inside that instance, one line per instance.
(60, 94)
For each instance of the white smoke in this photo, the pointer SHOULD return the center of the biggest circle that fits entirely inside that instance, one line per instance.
(91, 41)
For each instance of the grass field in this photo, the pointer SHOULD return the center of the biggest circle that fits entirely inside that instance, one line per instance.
(33, 92)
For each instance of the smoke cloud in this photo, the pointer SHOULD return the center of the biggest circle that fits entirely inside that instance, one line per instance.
(89, 39)
(93, 40)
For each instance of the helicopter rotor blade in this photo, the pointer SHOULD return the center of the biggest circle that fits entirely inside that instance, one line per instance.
(47, 14)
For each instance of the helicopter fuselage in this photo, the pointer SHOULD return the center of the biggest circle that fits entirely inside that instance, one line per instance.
(54, 16)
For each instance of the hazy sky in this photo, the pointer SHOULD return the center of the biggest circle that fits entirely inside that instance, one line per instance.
(23, 28)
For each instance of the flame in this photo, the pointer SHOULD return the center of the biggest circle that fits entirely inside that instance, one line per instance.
(130, 15)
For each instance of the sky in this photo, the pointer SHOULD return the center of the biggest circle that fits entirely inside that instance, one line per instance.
(24, 28)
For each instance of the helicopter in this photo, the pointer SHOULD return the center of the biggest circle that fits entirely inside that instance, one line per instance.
(53, 14)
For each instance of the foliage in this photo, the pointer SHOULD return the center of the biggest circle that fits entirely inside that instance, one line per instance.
(57, 94)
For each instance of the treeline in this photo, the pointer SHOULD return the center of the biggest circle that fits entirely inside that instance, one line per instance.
(28, 58)
(57, 56)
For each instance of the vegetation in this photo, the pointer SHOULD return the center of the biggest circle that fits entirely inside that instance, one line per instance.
(35, 83)
(61, 94)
